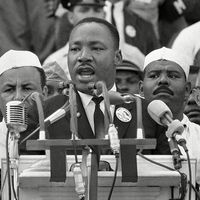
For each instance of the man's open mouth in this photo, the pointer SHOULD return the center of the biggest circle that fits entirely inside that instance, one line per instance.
(85, 72)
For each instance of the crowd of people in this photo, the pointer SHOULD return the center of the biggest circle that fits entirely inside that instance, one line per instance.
(133, 46)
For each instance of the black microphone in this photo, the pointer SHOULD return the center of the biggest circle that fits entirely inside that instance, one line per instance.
(161, 113)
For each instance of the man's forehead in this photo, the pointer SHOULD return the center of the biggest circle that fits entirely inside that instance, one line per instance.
(21, 72)
(88, 28)
(163, 65)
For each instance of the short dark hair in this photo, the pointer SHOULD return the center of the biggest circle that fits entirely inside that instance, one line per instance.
(111, 28)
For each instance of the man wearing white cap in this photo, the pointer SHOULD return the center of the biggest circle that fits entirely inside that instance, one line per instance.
(20, 74)
(166, 78)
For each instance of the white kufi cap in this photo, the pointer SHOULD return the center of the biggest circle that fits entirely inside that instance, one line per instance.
(171, 55)
(14, 58)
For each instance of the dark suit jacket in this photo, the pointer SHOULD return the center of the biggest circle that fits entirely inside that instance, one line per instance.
(61, 128)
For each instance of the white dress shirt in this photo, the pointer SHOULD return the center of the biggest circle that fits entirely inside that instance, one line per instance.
(192, 136)
(89, 106)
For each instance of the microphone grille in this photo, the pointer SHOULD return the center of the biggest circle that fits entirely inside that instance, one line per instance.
(157, 109)
(16, 116)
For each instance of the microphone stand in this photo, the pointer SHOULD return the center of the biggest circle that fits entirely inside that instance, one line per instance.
(78, 176)
(14, 161)
(140, 129)
(112, 133)
(15, 114)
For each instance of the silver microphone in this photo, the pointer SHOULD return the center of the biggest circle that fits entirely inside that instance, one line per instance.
(16, 121)
(161, 114)
(16, 116)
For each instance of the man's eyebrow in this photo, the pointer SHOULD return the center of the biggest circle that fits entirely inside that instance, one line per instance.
(152, 71)
(90, 42)
(8, 84)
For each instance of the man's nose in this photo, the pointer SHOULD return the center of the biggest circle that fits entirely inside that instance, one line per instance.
(123, 87)
(163, 79)
(85, 56)
(19, 95)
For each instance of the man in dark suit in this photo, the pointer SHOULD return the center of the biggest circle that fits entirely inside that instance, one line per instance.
(93, 54)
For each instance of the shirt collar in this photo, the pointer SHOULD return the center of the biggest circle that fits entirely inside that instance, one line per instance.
(86, 98)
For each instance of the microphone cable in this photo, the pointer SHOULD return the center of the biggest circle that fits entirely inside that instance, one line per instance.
(13, 187)
(190, 174)
(115, 176)
(171, 169)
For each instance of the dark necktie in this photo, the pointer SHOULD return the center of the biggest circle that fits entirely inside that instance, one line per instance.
(99, 128)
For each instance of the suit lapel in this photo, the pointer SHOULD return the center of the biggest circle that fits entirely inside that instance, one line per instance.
(84, 128)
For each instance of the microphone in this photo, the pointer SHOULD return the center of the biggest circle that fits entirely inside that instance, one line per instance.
(16, 116)
(161, 113)
(16, 121)
(61, 112)
(64, 84)
(114, 139)
(115, 98)
(78, 179)
(112, 131)
(58, 114)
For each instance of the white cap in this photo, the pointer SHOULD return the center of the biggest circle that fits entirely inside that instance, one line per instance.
(14, 58)
(132, 54)
(171, 55)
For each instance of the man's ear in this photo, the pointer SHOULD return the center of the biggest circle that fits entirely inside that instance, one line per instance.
(141, 90)
(188, 88)
(45, 92)
(118, 57)
(71, 17)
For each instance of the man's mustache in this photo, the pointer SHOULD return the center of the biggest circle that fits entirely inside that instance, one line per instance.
(163, 89)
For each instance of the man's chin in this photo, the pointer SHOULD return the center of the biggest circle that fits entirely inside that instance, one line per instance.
(84, 88)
